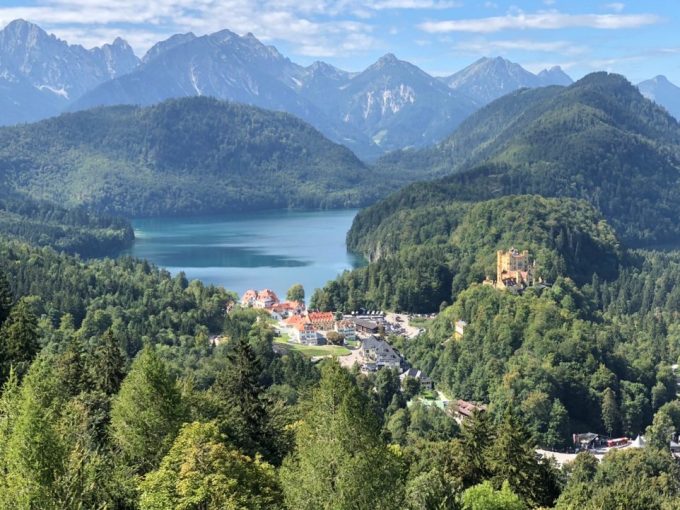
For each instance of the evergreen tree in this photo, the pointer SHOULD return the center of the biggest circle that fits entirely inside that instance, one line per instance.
(34, 452)
(70, 367)
(9, 409)
(610, 412)
(387, 385)
(558, 426)
(340, 461)
(476, 436)
(18, 340)
(243, 407)
(6, 297)
(512, 458)
(106, 365)
(147, 412)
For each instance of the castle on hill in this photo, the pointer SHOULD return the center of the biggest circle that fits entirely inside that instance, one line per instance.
(514, 270)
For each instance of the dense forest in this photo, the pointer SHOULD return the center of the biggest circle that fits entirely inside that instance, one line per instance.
(591, 349)
(70, 230)
(105, 408)
(424, 256)
(187, 156)
(599, 140)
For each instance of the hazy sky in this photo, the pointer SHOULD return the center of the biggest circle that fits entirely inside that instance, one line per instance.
(638, 38)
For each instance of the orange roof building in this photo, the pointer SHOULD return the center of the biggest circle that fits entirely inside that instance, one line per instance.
(324, 321)
(302, 330)
(249, 297)
(265, 298)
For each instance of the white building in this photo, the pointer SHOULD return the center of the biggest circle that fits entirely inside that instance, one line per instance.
(376, 353)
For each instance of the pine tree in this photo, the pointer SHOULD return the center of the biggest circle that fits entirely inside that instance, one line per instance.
(6, 297)
(558, 425)
(244, 414)
(340, 460)
(9, 409)
(476, 435)
(512, 458)
(18, 340)
(147, 412)
(610, 412)
(34, 453)
(106, 365)
(70, 367)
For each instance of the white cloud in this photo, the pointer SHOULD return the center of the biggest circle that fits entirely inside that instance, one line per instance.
(550, 20)
(489, 47)
(413, 4)
(615, 6)
(316, 27)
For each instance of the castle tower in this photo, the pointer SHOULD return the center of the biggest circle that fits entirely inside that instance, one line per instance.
(513, 269)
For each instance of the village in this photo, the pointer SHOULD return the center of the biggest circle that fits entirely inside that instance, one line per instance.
(357, 338)
(360, 340)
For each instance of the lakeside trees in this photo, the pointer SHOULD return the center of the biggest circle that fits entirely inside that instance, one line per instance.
(296, 293)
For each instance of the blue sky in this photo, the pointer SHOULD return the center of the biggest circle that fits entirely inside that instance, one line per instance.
(639, 38)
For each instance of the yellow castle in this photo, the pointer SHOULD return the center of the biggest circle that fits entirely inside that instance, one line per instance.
(514, 269)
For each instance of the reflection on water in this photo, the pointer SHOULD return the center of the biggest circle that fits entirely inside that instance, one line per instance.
(241, 251)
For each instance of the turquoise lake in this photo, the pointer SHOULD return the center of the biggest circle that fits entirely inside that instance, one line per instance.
(274, 249)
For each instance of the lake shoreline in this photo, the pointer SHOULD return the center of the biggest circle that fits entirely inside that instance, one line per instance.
(259, 249)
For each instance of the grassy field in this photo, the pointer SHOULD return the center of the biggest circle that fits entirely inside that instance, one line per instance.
(313, 350)
(421, 322)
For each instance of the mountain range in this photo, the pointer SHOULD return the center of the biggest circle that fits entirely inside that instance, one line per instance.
(574, 174)
(599, 140)
(490, 78)
(390, 105)
(41, 75)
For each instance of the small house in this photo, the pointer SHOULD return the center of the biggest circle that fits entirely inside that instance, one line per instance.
(366, 326)
(425, 382)
(460, 328)
(462, 409)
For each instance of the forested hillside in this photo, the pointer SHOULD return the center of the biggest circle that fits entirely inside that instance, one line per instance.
(187, 156)
(71, 230)
(557, 357)
(114, 396)
(591, 350)
(599, 140)
(426, 255)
